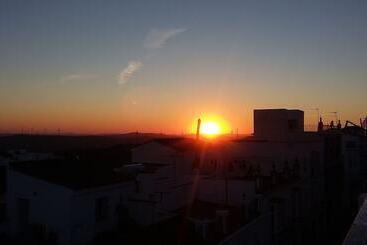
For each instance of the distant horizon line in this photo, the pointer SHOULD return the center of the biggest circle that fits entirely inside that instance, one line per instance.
(109, 134)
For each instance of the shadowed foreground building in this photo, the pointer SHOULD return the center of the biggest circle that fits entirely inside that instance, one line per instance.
(357, 234)
(280, 186)
(65, 200)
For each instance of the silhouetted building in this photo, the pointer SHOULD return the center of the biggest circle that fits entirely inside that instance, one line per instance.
(280, 186)
(278, 124)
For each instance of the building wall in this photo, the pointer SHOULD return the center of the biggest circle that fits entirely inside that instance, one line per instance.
(164, 190)
(48, 205)
(277, 124)
(212, 190)
(70, 215)
(152, 152)
(308, 154)
(258, 232)
(4, 166)
(352, 169)
(85, 223)
(160, 194)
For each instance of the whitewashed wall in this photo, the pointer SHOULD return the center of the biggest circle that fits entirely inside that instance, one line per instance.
(49, 204)
(70, 214)
(212, 190)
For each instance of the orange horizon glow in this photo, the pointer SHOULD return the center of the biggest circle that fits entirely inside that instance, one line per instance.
(49, 121)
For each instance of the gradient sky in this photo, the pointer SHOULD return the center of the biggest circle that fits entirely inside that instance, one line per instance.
(118, 66)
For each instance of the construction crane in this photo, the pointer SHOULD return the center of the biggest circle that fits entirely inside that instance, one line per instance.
(360, 127)
(363, 123)
(349, 122)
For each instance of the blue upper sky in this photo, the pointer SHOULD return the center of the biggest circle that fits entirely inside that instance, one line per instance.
(131, 64)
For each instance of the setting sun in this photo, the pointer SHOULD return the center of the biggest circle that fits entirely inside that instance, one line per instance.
(210, 128)
(211, 125)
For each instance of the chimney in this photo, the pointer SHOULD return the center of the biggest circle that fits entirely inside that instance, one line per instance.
(198, 129)
(320, 126)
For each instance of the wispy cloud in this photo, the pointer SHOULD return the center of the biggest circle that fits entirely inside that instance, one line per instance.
(157, 38)
(78, 77)
(129, 71)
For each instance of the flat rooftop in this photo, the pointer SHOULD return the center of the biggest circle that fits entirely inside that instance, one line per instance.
(72, 173)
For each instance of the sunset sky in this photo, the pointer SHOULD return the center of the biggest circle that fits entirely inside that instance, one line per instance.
(156, 66)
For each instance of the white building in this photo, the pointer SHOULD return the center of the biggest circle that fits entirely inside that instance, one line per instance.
(278, 124)
(166, 182)
(66, 200)
(280, 170)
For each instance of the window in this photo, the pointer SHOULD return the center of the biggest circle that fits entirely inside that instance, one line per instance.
(101, 208)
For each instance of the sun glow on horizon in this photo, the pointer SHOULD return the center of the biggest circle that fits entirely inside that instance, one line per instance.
(210, 129)
(211, 126)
